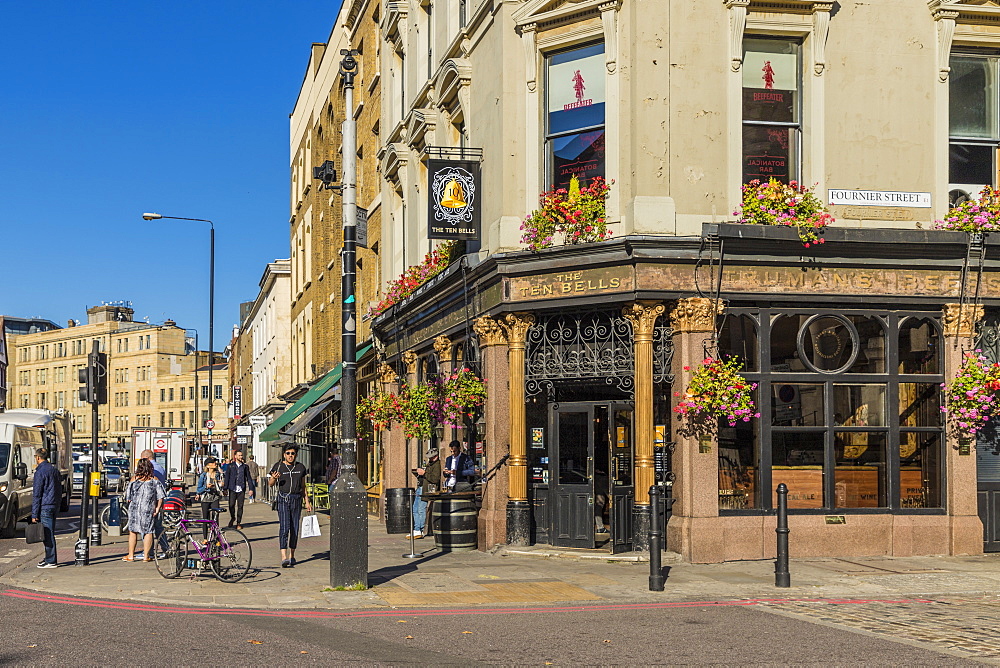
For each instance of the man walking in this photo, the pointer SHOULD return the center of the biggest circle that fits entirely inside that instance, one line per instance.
(254, 475)
(46, 489)
(237, 481)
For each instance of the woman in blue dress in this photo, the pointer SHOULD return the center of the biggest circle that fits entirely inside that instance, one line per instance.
(145, 496)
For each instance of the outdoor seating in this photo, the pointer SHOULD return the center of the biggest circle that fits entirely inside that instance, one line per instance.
(321, 496)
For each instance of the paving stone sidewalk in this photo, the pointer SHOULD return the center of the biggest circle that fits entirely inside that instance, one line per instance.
(507, 576)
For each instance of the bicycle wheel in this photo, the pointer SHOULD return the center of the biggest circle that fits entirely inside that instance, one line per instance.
(233, 563)
(171, 550)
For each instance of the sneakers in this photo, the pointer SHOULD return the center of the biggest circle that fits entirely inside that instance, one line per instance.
(45, 564)
(286, 563)
(416, 533)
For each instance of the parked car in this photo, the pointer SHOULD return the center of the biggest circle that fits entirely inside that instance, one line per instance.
(121, 462)
(78, 476)
(114, 479)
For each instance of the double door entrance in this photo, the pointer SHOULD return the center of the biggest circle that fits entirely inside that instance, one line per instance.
(591, 492)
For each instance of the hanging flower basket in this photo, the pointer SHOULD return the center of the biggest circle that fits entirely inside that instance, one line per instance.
(456, 397)
(788, 204)
(975, 215)
(718, 391)
(433, 264)
(578, 215)
(970, 398)
(378, 409)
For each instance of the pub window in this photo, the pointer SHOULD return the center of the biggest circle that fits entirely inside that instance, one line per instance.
(974, 133)
(772, 100)
(574, 125)
(840, 426)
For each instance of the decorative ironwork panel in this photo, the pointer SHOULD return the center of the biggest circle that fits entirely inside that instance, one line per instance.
(988, 438)
(663, 353)
(575, 347)
(988, 335)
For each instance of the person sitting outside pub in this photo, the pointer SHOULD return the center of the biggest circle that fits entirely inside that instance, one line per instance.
(460, 469)
(428, 482)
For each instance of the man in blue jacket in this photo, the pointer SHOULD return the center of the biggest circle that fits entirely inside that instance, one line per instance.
(45, 492)
(237, 482)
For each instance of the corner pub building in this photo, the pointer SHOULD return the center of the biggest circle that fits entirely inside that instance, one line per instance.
(584, 346)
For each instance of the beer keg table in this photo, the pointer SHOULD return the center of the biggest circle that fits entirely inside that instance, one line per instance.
(455, 521)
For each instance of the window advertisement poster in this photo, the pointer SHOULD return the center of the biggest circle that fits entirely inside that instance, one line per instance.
(454, 199)
(770, 85)
(580, 155)
(767, 153)
(575, 89)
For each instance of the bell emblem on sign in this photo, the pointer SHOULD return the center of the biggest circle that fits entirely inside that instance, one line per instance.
(454, 195)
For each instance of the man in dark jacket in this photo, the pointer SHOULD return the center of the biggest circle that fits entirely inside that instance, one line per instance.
(238, 481)
(46, 489)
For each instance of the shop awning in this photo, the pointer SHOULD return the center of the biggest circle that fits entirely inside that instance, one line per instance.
(316, 395)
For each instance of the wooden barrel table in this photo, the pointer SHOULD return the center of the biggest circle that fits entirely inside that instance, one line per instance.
(456, 522)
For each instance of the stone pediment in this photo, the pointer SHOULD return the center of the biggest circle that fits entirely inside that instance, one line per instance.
(559, 11)
(966, 11)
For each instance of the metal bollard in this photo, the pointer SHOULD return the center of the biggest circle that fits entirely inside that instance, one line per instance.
(655, 540)
(781, 576)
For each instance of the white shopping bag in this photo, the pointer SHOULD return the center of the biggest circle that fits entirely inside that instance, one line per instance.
(310, 527)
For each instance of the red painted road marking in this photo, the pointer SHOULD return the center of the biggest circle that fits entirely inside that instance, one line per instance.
(324, 614)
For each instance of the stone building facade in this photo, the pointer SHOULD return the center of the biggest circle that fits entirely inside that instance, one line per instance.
(151, 376)
(584, 346)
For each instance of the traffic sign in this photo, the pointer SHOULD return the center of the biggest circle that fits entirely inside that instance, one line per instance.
(209, 424)
(242, 440)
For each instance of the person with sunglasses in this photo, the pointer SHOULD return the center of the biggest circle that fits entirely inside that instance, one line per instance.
(288, 478)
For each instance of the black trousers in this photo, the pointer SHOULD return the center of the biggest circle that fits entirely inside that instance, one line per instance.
(236, 506)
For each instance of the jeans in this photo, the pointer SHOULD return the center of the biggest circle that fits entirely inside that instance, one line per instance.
(236, 506)
(48, 521)
(419, 511)
(289, 509)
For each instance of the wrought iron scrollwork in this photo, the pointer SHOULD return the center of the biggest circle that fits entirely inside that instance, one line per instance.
(575, 347)
(663, 353)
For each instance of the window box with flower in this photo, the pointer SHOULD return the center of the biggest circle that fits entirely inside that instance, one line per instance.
(576, 216)
(785, 204)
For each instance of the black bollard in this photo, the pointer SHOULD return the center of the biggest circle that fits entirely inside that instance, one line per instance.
(655, 540)
(81, 552)
(781, 576)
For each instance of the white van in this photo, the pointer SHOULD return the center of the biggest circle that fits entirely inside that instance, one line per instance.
(22, 431)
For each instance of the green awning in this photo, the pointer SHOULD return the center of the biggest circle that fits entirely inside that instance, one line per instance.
(315, 393)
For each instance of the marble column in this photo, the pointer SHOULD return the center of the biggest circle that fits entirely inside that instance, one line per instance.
(961, 485)
(691, 530)
(643, 317)
(496, 437)
(442, 347)
(516, 326)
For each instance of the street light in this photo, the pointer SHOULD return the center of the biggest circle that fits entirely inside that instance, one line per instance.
(211, 309)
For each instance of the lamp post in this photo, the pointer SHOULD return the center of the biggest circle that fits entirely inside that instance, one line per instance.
(348, 512)
(211, 313)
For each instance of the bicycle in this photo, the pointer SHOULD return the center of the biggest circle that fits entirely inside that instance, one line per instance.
(227, 552)
(122, 515)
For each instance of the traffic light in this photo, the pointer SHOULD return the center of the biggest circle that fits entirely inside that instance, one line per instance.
(94, 379)
(87, 383)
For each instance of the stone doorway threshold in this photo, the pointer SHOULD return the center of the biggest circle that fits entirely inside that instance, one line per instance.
(551, 552)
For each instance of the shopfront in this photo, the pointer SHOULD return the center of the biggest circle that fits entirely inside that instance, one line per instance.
(848, 348)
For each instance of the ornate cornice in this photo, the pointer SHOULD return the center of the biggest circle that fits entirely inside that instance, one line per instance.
(489, 331)
(643, 317)
(442, 346)
(410, 360)
(947, 13)
(695, 314)
(960, 319)
(516, 326)
(386, 374)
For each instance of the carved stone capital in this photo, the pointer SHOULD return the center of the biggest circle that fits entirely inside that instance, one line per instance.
(643, 317)
(960, 319)
(386, 374)
(737, 25)
(410, 360)
(442, 346)
(695, 314)
(489, 331)
(516, 326)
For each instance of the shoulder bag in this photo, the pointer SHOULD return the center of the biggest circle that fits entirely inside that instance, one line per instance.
(34, 533)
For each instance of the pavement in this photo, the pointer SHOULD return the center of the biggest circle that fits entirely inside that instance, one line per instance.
(508, 576)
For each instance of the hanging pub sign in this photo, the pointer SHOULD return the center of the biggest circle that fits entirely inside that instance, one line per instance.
(454, 199)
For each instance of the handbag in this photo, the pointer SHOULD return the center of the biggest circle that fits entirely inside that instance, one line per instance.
(211, 495)
(34, 533)
(310, 527)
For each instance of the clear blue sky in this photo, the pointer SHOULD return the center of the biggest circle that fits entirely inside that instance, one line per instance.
(110, 109)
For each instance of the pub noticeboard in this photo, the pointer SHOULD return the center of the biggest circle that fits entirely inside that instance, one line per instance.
(454, 199)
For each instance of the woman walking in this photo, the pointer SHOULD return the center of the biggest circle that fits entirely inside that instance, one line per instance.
(287, 477)
(145, 498)
(209, 491)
